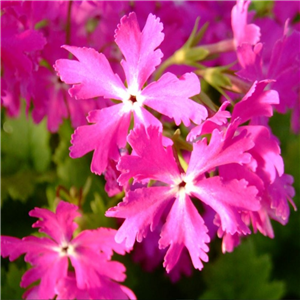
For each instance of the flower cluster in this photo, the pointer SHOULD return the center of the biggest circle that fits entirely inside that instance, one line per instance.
(191, 168)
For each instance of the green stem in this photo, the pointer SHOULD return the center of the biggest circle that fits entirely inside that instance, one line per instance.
(168, 62)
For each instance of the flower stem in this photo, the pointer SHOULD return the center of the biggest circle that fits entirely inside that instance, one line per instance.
(68, 25)
(220, 47)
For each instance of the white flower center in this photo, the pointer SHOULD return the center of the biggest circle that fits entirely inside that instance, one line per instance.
(66, 250)
(184, 185)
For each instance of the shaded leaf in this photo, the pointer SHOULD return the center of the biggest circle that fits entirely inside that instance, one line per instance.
(11, 279)
(25, 143)
(96, 218)
(241, 275)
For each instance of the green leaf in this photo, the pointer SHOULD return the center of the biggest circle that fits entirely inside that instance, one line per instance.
(25, 143)
(26, 156)
(96, 218)
(71, 172)
(18, 186)
(39, 146)
(241, 275)
(10, 282)
(262, 8)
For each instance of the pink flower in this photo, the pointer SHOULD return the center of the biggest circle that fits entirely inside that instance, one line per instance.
(283, 69)
(256, 103)
(89, 252)
(92, 76)
(243, 32)
(265, 171)
(219, 119)
(184, 227)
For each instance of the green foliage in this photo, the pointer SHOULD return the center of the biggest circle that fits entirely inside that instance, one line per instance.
(96, 218)
(25, 156)
(217, 78)
(73, 172)
(241, 275)
(18, 186)
(10, 281)
(262, 8)
(25, 144)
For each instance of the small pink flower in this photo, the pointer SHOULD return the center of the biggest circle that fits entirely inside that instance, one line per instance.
(89, 252)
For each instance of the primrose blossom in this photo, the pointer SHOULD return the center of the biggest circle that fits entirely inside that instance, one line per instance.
(184, 227)
(92, 76)
(92, 274)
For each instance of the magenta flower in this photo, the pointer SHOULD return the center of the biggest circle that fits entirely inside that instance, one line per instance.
(184, 227)
(283, 69)
(89, 252)
(92, 76)
(265, 171)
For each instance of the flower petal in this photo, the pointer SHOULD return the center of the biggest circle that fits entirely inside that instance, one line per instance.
(152, 160)
(222, 149)
(243, 32)
(184, 227)
(50, 268)
(138, 48)
(91, 265)
(105, 137)
(59, 225)
(256, 103)
(91, 75)
(266, 153)
(11, 246)
(170, 96)
(218, 120)
(228, 199)
(145, 118)
(101, 239)
(141, 209)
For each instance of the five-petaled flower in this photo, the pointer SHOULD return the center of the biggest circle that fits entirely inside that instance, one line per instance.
(92, 76)
(143, 207)
(92, 274)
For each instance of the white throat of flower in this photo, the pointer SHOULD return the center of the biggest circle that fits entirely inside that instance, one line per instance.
(66, 249)
(183, 185)
(133, 101)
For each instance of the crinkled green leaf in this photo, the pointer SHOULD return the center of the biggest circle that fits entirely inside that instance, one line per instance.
(241, 275)
(10, 282)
